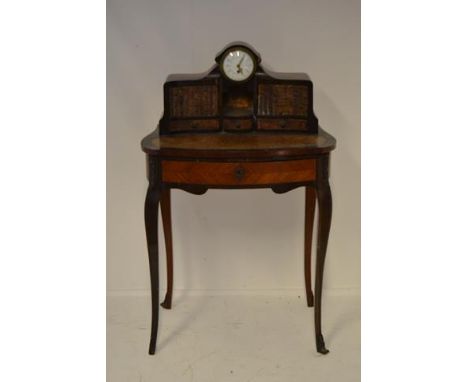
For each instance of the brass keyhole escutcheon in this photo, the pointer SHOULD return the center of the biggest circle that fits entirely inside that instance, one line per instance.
(239, 172)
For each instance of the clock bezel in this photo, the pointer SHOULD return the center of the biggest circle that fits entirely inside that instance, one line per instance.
(244, 49)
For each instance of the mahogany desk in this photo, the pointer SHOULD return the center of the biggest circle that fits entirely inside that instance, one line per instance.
(195, 163)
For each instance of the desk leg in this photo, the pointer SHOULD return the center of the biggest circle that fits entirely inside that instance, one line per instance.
(309, 228)
(324, 221)
(151, 223)
(167, 226)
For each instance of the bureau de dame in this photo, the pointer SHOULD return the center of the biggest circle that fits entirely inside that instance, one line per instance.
(238, 126)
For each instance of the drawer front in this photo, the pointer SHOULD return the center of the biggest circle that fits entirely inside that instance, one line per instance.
(238, 173)
(282, 124)
(194, 125)
(237, 124)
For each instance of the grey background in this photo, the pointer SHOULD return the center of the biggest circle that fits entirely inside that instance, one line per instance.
(230, 241)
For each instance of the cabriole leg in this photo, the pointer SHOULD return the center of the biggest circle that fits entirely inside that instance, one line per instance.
(167, 226)
(324, 221)
(151, 224)
(308, 231)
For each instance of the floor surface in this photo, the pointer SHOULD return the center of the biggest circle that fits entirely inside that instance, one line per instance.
(233, 338)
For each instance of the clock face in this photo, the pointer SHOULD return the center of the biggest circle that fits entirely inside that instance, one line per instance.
(238, 64)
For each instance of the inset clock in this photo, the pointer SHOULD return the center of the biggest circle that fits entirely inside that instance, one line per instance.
(238, 64)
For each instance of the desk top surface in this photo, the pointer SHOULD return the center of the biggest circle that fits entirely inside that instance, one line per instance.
(238, 145)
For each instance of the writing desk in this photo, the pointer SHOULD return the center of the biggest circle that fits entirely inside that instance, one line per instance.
(184, 153)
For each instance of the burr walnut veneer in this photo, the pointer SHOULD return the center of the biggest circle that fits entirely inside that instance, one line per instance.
(215, 133)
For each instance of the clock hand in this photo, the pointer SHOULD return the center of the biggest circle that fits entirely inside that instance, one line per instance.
(239, 69)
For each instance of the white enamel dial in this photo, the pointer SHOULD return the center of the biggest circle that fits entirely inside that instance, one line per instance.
(238, 65)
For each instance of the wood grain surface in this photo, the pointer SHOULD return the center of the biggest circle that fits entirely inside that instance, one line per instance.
(194, 101)
(282, 99)
(237, 173)
(225, 145)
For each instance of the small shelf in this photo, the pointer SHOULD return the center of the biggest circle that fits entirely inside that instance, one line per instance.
(238, 102)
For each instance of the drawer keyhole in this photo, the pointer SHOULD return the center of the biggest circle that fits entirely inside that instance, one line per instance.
(239, 173)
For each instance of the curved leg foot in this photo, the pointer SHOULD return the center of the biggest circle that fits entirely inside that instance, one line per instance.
(167, 227)
(308, 231)
(151, 224)
(167, 303)
(152, 346)
(324, 222)
(321, 345)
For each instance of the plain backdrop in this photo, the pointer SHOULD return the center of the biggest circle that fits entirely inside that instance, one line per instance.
(244, 240)
(53, 131)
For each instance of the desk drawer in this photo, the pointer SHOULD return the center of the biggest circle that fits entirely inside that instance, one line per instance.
(193, 125)
(237, 124)
(238, 173)
(282, 124)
